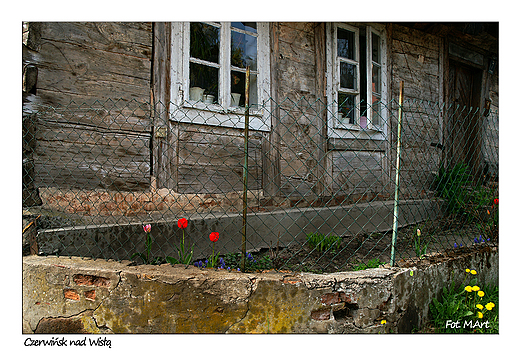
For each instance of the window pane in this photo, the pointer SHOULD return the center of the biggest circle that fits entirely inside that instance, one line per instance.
(346, 44)
(206, 78)
(246, 26)
(238, 87)
(346, 108)
(204, 42)
(243, 50)
(376, 110)
(376, 48)
(348, 76)
(376, 79)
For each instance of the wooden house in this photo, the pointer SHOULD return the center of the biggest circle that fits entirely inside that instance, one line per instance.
(131, 106)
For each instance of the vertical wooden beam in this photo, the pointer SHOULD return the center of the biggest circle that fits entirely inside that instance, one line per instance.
(271, 179)
(161, 178)
(321, 108)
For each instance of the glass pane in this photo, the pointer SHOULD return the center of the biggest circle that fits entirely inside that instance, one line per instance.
(376, 48)
(346, 108)
(204, 42)
(376, 110)
(243, 50)
(238, 89)
(206, 78)
(348, 75)
(346, 44)
(376, 79)
(246, 26)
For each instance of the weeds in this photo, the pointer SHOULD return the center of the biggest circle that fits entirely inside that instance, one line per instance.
(373, 263)
(323, 243)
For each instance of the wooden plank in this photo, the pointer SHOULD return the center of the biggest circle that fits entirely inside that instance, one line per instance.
(356, 172)
(163, 139)
(321, 109)
(271, 145)
(116, 115)
(79, 156)
(210, 160)
(91, 64)
(128, 38)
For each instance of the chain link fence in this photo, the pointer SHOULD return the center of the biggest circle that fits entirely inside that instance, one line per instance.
(300, 195)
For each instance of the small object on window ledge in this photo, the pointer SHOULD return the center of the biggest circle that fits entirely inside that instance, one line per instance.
(363, 122)
(196, 93)
(208, 98)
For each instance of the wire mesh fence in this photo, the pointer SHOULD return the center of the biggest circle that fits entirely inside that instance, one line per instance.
(313, 189)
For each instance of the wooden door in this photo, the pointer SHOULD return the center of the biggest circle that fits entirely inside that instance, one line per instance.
(464, 118)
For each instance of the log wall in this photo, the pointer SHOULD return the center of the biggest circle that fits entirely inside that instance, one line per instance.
(96, 76)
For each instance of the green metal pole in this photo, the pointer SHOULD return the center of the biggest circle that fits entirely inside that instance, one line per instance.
(396, 196)
(245, 172)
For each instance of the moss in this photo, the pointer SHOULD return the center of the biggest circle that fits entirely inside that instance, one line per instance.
(157, 307)
(271, 312)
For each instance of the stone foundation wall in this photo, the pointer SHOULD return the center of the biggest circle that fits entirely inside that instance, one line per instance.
(72, 295)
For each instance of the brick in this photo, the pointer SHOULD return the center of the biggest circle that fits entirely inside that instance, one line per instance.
(90, 294)
(89, 280)
(320, 315)
(71, 294)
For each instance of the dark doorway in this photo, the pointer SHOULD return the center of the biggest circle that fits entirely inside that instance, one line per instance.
(465, 117)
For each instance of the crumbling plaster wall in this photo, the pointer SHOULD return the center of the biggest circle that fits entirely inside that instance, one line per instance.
(73, 295)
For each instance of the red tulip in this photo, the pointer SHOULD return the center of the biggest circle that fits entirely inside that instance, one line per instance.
(495, 201)
(214, 236)
(147, 228)
(182, 223)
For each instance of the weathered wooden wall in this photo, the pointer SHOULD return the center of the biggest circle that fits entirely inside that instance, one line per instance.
(97, 76)
(109, 146)
(416, 59)
(300, 105)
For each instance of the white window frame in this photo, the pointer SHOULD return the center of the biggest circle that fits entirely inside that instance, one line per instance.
(221, 113)
(337, 129)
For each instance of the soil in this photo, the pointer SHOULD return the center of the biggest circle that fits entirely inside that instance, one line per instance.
(373, 250)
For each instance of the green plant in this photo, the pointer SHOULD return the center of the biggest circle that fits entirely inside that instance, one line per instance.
(466, 309)
(263, 263)
(323, 243)
(419, 246)
(213, 259)
(146, 257)
(373, 263)
(452, 185)
(185, 256)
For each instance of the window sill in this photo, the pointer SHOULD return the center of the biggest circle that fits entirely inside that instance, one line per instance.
(215, 115)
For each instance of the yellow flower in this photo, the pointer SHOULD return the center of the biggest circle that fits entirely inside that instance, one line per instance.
(467, 270)
(480, 307)
(490, 306)
(383, 322)
(411, 273)
(473, 272)
(475, 288)
(480, 315)
(418, 232)
(480, 293)
(468, 289)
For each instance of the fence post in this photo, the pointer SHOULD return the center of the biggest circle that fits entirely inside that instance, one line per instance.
(245, 172)
(398, 157)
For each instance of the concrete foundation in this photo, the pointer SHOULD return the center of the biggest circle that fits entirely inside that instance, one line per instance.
(73, 295)
(265, 229)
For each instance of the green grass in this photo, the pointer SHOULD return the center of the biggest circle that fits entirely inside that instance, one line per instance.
(322, 242)
(373, 263)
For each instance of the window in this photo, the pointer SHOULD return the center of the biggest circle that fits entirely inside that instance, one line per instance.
(209, 62)
(356, 70)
